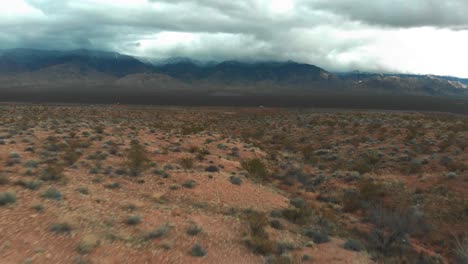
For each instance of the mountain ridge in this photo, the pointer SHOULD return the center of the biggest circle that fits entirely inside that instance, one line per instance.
(22, 68)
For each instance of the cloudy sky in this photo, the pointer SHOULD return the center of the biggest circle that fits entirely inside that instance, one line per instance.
(410, 36)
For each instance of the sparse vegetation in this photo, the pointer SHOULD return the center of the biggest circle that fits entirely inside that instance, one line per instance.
(375, 179)
(60, 228)
(136, 159)
(198, 251)
(7, 198)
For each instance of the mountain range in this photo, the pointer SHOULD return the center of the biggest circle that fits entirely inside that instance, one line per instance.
(88, 71)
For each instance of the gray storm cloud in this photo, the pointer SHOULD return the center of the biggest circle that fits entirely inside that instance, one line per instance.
(384, 35)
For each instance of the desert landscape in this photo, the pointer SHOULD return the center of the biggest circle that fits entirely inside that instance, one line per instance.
(148, 184)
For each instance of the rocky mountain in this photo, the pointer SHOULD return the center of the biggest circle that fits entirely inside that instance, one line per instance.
(23, 69)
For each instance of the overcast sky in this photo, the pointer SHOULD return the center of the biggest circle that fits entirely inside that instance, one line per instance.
(410, 36)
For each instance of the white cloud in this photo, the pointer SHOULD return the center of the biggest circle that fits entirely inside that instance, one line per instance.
(423, 36)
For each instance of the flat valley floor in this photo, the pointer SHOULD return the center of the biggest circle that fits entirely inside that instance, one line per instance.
(142, 184)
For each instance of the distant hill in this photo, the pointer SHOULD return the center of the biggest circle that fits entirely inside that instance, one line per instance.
(111, 72)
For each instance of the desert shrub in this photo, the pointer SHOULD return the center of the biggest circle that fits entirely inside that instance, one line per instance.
(276, 214)
(136, 159)
(371, 191)
(276, 224)
(211, 168)
(87, 244)
(186, 163)
(256, 168)
(133, 220)
(31, 164)
(52, 194)
(198, 251)
(82, 190)
(235, 180)
(38, 207)
(4, 180)
(13, 158)
(7, 198)
(351, 201)
(159, 232)
(193, 229)
(319, 236)
(60, 228)
(300, 213)
(113, 185)
(30, 185)
(52, 172)
(258, 241)
(461, 250)
(298, 202)
(190, 184)
(410, 167)
(353, 245)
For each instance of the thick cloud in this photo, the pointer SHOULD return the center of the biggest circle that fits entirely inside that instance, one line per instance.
(421, 36)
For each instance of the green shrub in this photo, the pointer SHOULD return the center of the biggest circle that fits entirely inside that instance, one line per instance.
(258, 241)
(7, 198)
(198, 251)
(52, 172)
(235, 180)
(318, 236)
(113, 185)
(193, 230)
(256, 168)
(353, 245)
(31, 164)
(160, 232)
(4, 180)
(190, 184)
(30, 185)
(82, 190)
(186, 163)
(136, 159)
(60, 228)
(133, 220)
(212, 168)
(52, 194)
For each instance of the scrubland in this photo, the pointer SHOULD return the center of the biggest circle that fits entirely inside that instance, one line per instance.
(135, 184)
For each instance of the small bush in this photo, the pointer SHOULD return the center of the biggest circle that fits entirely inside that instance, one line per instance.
(318, 236)
(198, 251)
(212, 168)
(31, 164)
(133, 220)
(136, 159)
(186, 163)
(190, 184)
(297, 215)
(113, 185)
(353, 245)
(256, 168)
(276, 224)
(52, 172)
(298, 202)
(258, 241)
(461, 250)
(38, 207)
(4, 180)
(159, 232)
(87, 244)
(60, 228)
(194, 229)
(7, 198)
(30, 185)
(235, 180)
(52, 194)
(82, 190)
